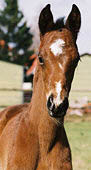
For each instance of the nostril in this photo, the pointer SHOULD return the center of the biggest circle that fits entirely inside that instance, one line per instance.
(50, 104)
(50, 101)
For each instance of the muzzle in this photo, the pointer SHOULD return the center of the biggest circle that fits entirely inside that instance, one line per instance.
(58, 111)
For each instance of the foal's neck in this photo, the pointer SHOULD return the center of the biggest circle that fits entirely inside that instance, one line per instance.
(38, 101)
(50, 132)
(39, 108)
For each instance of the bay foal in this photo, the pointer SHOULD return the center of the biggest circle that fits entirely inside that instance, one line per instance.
(32, 136)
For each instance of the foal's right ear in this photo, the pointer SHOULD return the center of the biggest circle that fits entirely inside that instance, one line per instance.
(45, 20)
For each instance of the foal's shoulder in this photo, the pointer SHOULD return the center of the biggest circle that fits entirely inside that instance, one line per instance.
(11, 112)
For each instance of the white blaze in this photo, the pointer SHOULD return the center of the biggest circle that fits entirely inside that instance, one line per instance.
(60, 65)
(47, 96)
(58, 100)
(56, 47)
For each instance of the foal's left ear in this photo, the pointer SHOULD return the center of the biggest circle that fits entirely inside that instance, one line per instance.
(46, 20)
(73, 22)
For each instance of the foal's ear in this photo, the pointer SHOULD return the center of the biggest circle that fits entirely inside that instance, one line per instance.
(73, 22)
(45, 20)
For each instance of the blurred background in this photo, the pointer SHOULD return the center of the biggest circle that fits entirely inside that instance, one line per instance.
(19, 42)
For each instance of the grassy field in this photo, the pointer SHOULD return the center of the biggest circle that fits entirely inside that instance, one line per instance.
(79, 134)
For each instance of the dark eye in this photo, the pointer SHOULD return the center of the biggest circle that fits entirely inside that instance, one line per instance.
(41, 60)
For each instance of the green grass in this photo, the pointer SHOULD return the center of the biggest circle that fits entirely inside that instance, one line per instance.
(79, 136)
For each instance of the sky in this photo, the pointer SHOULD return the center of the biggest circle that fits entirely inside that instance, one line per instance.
(31, 10)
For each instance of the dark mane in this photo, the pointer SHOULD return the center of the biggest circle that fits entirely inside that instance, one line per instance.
(59, 24)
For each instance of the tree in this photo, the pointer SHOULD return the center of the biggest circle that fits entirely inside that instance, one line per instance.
(15, 36)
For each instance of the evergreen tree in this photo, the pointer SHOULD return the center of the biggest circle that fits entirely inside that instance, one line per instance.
(15, 36)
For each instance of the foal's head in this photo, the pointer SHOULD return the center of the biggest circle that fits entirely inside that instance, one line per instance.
(58, 58)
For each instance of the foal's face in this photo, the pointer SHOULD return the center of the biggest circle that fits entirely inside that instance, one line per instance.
(58, 56)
